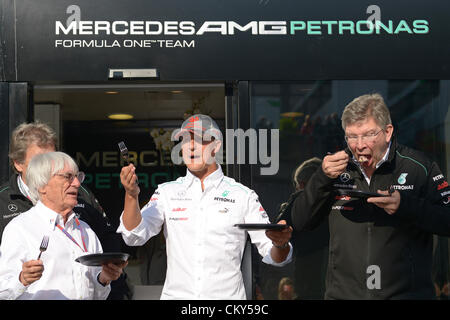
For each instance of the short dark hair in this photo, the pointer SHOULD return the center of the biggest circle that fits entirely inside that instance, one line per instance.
(305, 170)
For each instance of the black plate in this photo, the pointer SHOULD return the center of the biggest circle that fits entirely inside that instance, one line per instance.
(97, 259)
(261, 226)
(359, 193)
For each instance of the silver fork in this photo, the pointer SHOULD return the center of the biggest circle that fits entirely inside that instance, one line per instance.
(44, 245)
(124, 151)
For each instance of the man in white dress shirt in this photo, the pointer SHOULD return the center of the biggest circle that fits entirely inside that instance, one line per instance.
(53, 180)
(199, 211)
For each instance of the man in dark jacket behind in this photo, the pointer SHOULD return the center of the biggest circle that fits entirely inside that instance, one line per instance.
(28, 140)
(310, 246)
(380, 246)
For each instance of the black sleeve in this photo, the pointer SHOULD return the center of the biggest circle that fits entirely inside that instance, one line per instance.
(92, 213)
(431, 211)
(314, 203)
(285, 210)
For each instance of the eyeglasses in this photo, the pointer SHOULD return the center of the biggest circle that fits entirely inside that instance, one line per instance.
(369, 137)
(70, 176)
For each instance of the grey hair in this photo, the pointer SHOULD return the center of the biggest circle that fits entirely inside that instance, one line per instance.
(27, 134)
(43, 167)
(365, 106)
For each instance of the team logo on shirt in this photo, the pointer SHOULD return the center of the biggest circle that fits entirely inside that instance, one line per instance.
(224, 210)
(12, 215)
(347, 186)
(263, 212)
(405, 187)
(12, 207)
(179, 219)
(344, 177)
(223, 199)
(442, 185)
(225, 193)
(346, 208)
(343, 198)
(402, 178)
(180, 198)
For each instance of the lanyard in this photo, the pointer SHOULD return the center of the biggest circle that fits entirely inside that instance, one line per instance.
(77, 222)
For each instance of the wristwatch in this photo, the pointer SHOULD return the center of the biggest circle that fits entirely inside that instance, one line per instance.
(282, 246)
(98, 280)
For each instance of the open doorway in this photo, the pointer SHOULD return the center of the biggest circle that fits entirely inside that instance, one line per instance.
(81, 116)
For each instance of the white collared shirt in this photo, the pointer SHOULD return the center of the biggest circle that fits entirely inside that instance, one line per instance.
(204, 249)
(63, 277)
(23, 187)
